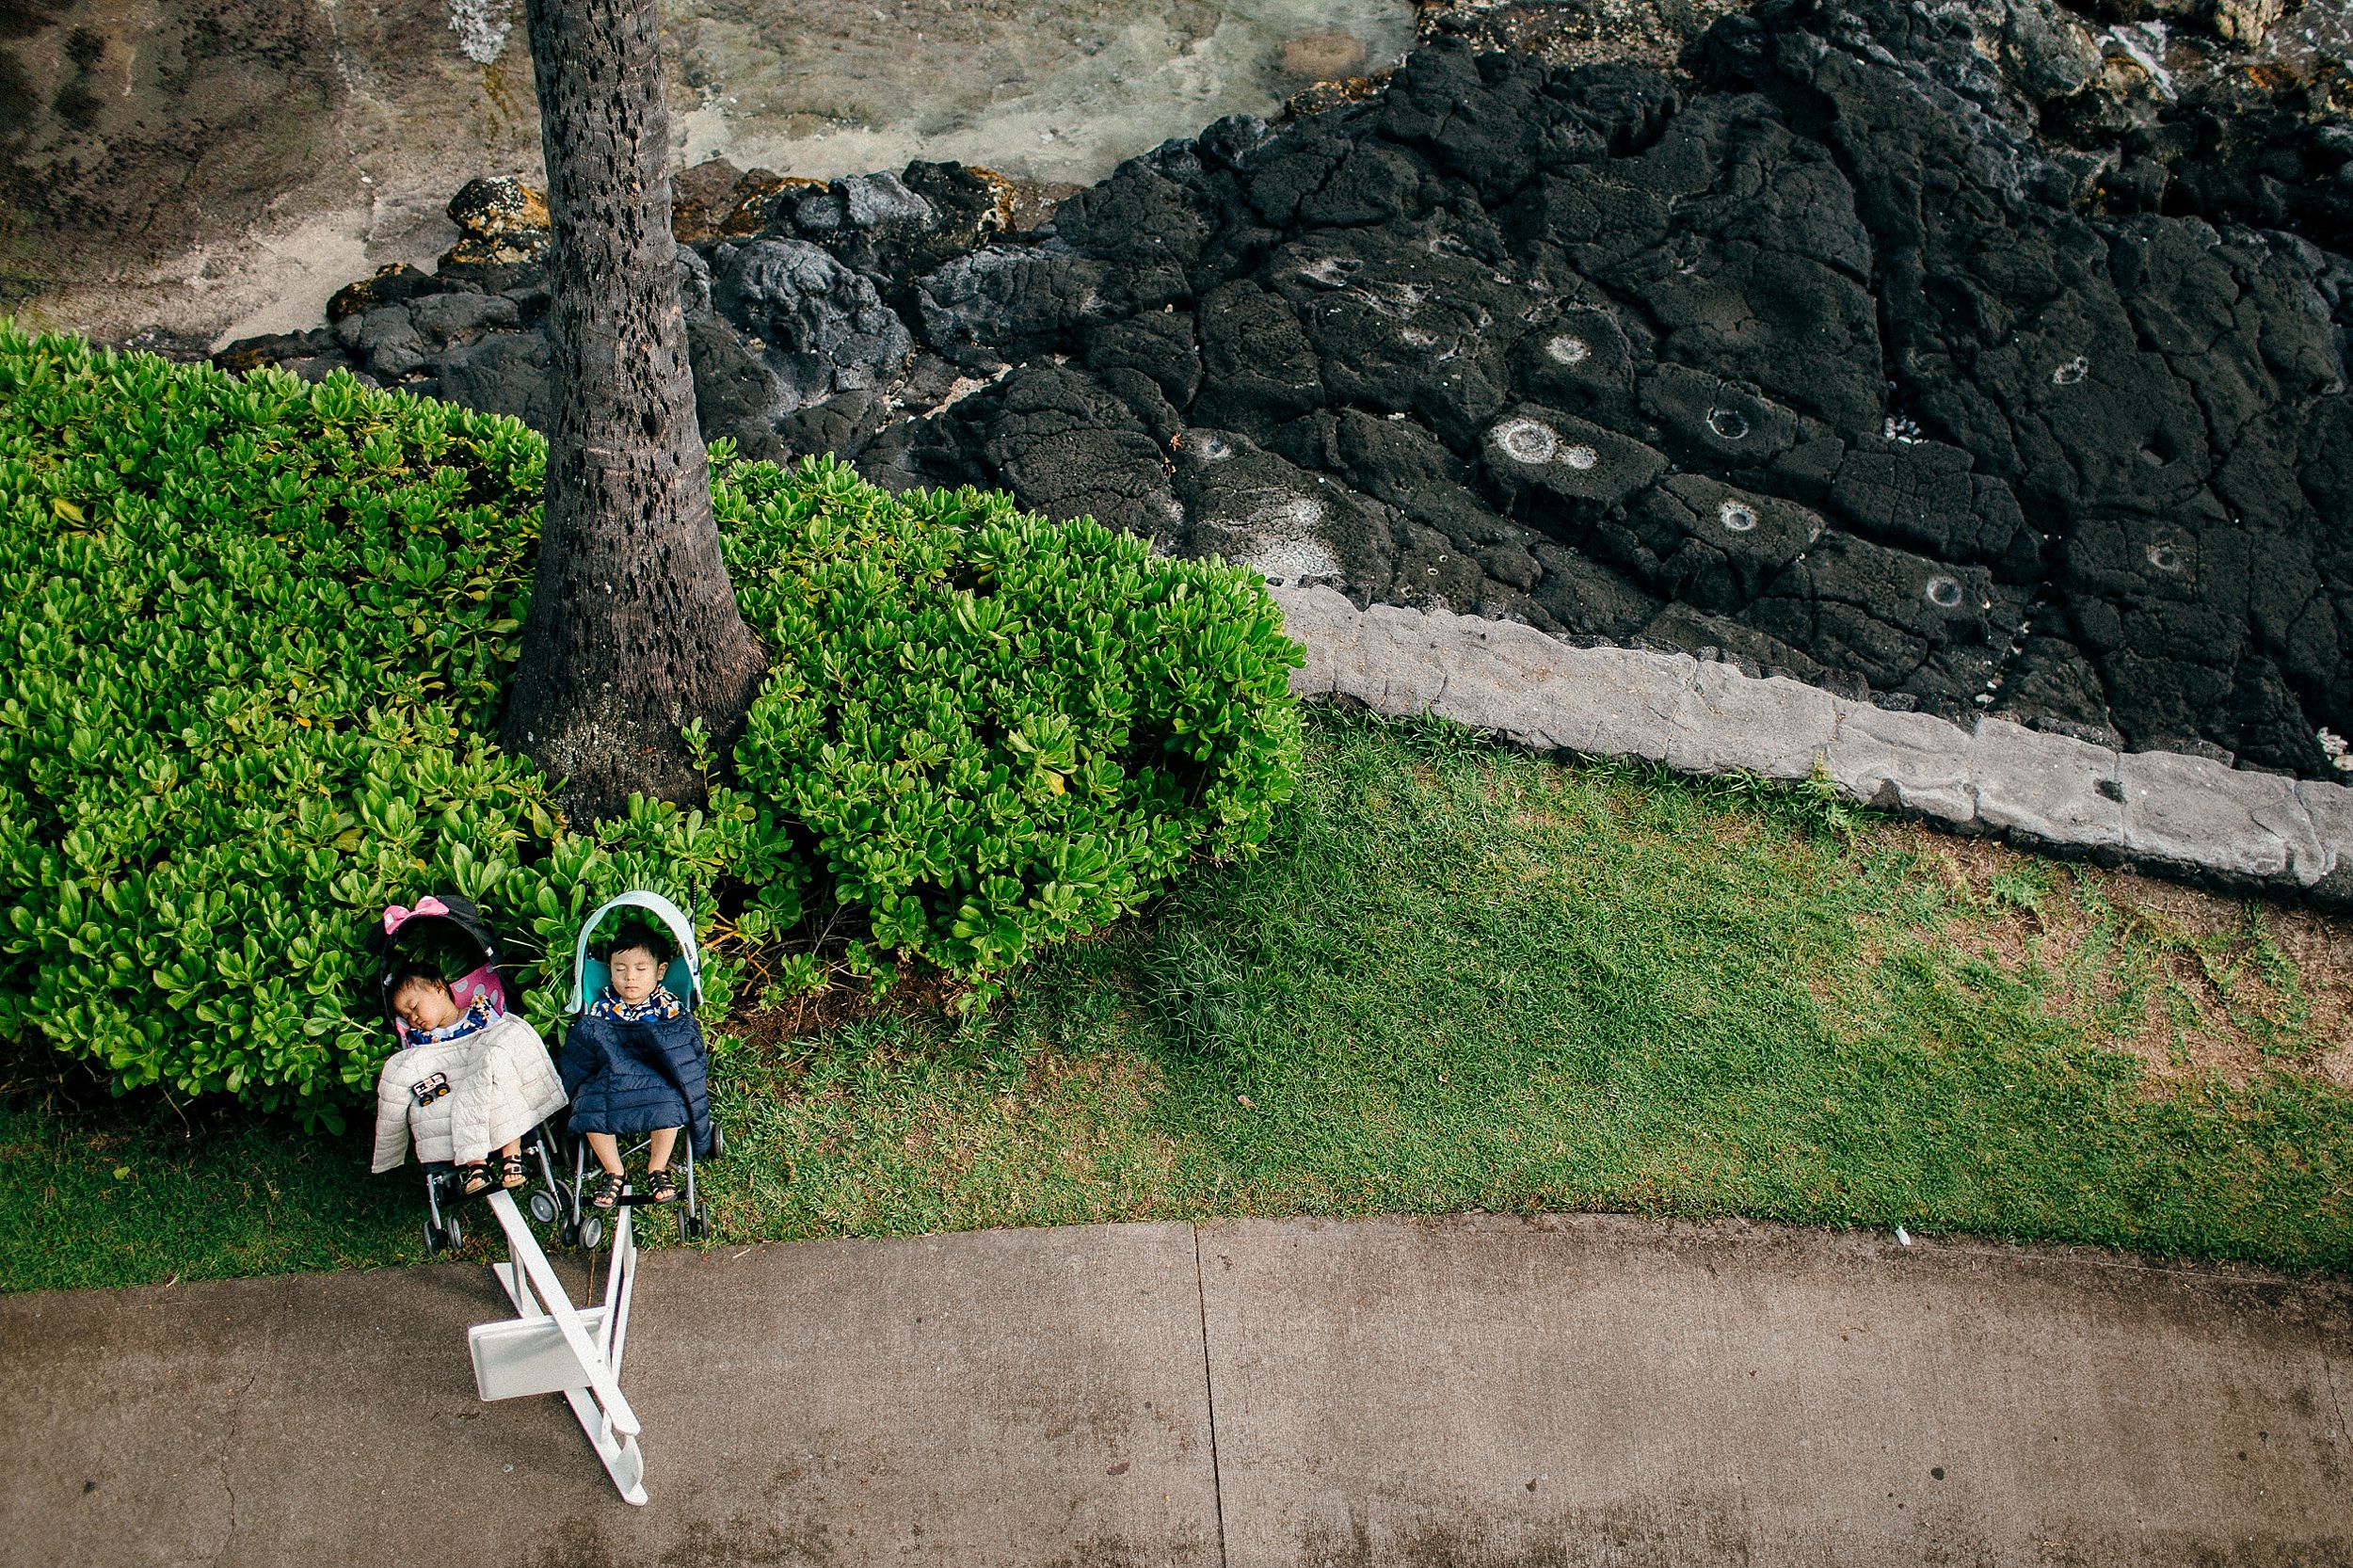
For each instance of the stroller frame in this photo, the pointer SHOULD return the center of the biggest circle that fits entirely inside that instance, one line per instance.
(442, 1230)
(462, 926)
(585, 1224)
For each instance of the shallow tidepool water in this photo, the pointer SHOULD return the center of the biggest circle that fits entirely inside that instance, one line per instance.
(1060, 92)
(223, 180)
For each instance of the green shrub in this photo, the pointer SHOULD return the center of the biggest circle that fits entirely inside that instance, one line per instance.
(257, 632)
(999, 731)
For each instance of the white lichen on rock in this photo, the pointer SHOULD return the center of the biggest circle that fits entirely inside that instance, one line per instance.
(482, 27)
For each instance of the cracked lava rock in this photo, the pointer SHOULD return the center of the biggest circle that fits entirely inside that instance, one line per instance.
(1812, 356)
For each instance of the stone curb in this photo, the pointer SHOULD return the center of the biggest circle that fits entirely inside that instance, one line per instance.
(2187, 816)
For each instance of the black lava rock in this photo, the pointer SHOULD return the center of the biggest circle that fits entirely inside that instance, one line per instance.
(1819, 358)
(822, 327)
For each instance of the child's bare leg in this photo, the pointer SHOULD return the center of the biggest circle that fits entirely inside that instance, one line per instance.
(658, 1183)
(607, 1149)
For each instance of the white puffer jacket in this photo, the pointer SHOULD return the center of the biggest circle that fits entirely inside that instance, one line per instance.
(499, 1084)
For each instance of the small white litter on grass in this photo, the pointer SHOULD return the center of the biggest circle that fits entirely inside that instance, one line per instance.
(1903, 1237)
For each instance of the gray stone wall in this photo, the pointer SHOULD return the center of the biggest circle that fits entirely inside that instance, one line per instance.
(2165, 812)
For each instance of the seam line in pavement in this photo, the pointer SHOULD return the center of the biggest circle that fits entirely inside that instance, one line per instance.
(1208, 1394)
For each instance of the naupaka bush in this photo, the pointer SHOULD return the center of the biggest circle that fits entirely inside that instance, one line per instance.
(257, 632)
(998, 731)
(255, 635)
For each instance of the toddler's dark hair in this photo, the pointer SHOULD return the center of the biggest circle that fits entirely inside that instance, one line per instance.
(637, 935)
(414, 971)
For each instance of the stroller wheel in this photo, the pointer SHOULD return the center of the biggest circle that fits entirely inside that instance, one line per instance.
(566, 1233)
(592, 1232)
(432, 1240)
(453, 1236)
(543, 1207)
(718, 1140)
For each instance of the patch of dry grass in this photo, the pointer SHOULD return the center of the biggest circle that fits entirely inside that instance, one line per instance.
(2195, 984)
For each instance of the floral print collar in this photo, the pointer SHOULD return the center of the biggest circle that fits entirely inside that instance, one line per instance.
(662, 1003)
(477, 1017)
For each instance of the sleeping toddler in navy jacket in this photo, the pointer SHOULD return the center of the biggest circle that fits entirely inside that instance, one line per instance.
(634, 1066)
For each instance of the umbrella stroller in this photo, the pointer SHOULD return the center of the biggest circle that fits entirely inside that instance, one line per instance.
(448, 927)
(683, 977)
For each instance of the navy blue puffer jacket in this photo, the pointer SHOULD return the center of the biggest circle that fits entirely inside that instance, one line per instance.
(632, 1078)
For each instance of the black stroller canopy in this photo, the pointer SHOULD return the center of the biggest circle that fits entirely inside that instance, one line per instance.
(443, 915)
(452, 911)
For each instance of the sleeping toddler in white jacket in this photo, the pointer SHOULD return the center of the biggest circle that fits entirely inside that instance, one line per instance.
(466, 1086)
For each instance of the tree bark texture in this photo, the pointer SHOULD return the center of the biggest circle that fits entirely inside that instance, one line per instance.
(633, 631)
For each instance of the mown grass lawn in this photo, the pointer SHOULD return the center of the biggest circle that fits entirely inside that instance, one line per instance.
(1462, 978)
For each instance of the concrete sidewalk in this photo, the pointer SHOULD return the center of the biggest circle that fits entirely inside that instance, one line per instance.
(1475, 1391)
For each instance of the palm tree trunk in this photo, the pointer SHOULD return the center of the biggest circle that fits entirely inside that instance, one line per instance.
(633, 631)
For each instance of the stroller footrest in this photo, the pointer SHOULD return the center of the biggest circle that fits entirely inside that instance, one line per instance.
(522, 1356)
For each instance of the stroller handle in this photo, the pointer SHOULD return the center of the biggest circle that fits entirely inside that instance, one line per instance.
(682, 932)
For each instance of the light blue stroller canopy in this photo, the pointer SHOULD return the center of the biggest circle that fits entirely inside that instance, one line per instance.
(684, 977)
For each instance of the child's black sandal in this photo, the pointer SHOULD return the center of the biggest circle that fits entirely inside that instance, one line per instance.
(661, 1186)
(608, 1190)
(512, 1174)
(474, 1178)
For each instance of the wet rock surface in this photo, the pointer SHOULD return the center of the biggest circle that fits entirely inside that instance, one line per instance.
(1811, 354)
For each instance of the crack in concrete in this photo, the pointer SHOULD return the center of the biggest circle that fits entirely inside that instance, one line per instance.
(228, 1455)
(2336, 1395)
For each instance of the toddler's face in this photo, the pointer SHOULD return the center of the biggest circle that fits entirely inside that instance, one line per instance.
(634, 974)
(424, 1005)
